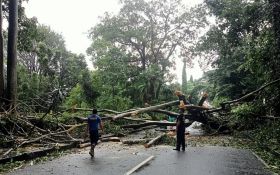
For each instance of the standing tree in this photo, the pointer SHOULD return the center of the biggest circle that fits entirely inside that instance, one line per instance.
(2, 79)
(184, 76)
(12, 54)
(191, 79)
(150, 34)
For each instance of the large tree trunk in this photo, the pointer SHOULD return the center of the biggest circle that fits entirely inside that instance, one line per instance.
(12, 53)
(2, 79)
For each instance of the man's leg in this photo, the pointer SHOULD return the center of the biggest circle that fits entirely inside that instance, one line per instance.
(183, 141)
(178, 141)
(92, 144)
(95, 138)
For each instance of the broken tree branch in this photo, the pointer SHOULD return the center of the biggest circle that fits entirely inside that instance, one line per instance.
(153, 141)
(251, 93)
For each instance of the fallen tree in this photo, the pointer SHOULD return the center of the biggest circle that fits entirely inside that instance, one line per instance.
(150, 123)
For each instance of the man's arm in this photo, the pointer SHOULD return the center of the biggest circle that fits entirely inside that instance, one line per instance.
(101, 125)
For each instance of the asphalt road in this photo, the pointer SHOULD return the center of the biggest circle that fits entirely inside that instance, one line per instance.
(117, 159)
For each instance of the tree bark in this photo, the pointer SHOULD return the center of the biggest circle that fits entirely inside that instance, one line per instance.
(2, 78)
(12, 54)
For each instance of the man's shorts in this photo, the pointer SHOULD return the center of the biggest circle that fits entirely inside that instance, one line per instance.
(94, 136)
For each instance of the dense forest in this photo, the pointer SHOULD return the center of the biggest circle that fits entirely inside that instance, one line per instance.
(237, 44)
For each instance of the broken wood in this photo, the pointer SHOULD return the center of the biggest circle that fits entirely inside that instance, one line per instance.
(111, 139)
(153, 141)
(139, 165)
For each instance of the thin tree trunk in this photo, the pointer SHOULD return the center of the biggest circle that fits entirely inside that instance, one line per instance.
(143, 110)
(12, 53)
(2, 79)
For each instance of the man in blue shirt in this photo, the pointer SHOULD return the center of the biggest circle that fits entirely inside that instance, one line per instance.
(93, 122)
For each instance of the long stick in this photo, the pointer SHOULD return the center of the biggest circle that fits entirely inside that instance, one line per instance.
(139, 165)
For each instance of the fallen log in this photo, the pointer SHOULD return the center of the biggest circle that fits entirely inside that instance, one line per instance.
(153, 141)
(142, 110)
(111, 139)
(135, 141)
(83, 145)
(149, 123)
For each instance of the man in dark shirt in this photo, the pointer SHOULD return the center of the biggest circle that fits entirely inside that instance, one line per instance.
(180, 132)
(93, 122)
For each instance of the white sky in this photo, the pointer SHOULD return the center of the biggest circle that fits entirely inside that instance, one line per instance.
(72, 19)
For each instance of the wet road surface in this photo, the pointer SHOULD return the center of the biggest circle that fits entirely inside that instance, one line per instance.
(117, 159)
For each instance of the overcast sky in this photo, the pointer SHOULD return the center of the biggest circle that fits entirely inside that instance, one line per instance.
(72, 19)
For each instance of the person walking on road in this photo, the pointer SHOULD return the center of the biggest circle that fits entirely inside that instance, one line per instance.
(180, 132)
(93, 122)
